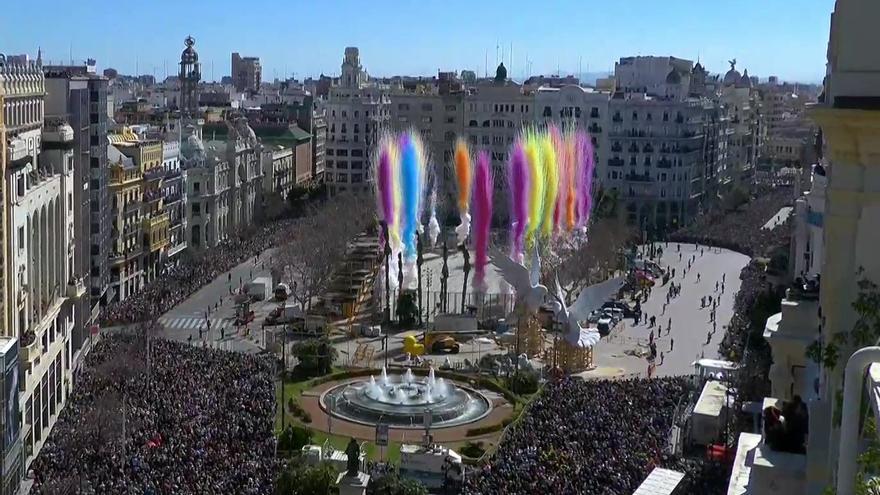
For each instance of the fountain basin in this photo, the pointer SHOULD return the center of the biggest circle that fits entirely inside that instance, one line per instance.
(402, 401)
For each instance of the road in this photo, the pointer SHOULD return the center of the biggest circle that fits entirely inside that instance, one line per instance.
(691, 324)
(215, 303)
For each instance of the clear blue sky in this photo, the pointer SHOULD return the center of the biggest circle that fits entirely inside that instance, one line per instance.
(787, 38)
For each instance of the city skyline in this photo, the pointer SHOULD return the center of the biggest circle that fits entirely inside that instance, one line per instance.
(303, 40)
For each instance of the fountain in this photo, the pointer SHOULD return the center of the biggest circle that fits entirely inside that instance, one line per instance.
(402, 401)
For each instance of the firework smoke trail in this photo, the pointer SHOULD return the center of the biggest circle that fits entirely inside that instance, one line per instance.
(551, 174)
(518, 178)
(433, 224)
(482, 209)
(585, 178)
(463, 179)
(536, 184)
(559, 145)
(571, 184)
(411, 170)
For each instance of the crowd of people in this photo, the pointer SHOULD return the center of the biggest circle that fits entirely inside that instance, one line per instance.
(174, 419)
(741, 230)
(177, 282)
(591, 437)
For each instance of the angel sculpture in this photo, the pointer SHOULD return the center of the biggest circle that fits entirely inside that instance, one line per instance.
(589, 300)
(525, 281)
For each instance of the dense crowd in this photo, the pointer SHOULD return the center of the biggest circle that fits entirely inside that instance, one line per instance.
(741, 230)
(593, 437)
(185, 420)
(177, 282)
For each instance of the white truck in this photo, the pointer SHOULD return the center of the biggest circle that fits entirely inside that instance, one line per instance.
(260, 288)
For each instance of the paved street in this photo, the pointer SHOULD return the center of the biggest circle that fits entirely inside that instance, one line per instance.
(185, 319)
(690, 324)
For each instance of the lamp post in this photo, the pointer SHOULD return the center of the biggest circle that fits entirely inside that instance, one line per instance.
(419, 261)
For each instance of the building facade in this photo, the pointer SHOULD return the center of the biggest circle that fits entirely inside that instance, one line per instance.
(126, 193)
(247, 74)
(80, 97)
(356, 113)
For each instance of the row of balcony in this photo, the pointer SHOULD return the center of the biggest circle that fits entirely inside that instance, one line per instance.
(678, 119)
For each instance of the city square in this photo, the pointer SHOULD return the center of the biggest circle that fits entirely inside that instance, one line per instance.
(399, 266)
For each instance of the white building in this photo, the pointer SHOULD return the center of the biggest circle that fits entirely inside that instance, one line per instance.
(174, 202)
(43, 250)
(356, 113)
(850, 121)
(809, 219)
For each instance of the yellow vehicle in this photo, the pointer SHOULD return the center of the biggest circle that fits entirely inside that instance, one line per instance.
(433, 343)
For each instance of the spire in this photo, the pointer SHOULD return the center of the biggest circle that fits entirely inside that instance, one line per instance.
(40, 56)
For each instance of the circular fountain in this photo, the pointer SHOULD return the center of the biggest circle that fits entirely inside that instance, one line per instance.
(401, 401)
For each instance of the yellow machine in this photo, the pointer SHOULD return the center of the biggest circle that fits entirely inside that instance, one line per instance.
(434, 343)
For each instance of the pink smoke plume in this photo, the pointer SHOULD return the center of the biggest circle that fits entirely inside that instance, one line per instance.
(584, 177)
(518, 178)
(482, 214)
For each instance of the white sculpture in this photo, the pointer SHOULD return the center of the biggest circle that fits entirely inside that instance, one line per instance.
(590, 299)
(525, 281)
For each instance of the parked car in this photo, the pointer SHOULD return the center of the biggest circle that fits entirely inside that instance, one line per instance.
(604, 326)
(628, 312)
(370, 330)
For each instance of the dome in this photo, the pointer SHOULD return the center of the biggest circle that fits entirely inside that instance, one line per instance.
(673, 77)
(191, 149)
(733, 76)
(744, 81)
(189, 55)
(501, 73)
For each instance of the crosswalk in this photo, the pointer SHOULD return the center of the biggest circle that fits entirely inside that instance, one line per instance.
(193, 323)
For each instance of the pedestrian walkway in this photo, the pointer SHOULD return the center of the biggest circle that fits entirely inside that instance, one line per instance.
(194, 323)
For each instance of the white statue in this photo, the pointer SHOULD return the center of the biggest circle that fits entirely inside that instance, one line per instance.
(589, 300)
(525, 281)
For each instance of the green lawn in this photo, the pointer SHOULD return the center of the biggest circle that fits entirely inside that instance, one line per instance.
(293, 388)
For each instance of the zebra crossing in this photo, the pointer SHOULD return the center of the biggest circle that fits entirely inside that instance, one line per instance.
(194, 323)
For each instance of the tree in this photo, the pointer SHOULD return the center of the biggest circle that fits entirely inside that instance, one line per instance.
(315, 356)
(294, 438)
(393, 484)
(317, 243)
(299, 479)
(580, 260)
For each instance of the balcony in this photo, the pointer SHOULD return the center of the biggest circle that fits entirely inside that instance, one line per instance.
(156, 231)
(76, 288)
(127, 255)
(172, 174)
(616, 147)
(617, 118)
(152, 195)
(124, 177)
(638, 178)
(664, 163)
(30, 348)
(154, 173)
(595, 129)
(615, 162)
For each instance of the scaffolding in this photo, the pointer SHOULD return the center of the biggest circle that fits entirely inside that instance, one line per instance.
(529, 340)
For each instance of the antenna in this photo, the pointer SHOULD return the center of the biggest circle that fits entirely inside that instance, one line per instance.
(486, 65)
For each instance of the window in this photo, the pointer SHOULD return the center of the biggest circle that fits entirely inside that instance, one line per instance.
(341, 164)
(548, 112)
(485, 123)
(341, 177)
(577, 112)
(328, 163)
(497, 140)
(473, 139)
(450, 120)
(344, 114)
(473, 123)
(196, 187)
(344, 128)
(358, 164)
(20, 184)
(357, 129)
(196, 210)
(427, 107)
(330, 152)
(635, 116)
(403, 106)
(357, 177)
(21, 237)
(450, 108)
(341, 152)
(485, 140)
(357, 152)
(355, 115)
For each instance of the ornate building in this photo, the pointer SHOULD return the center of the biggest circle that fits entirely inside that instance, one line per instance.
(189, 76)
